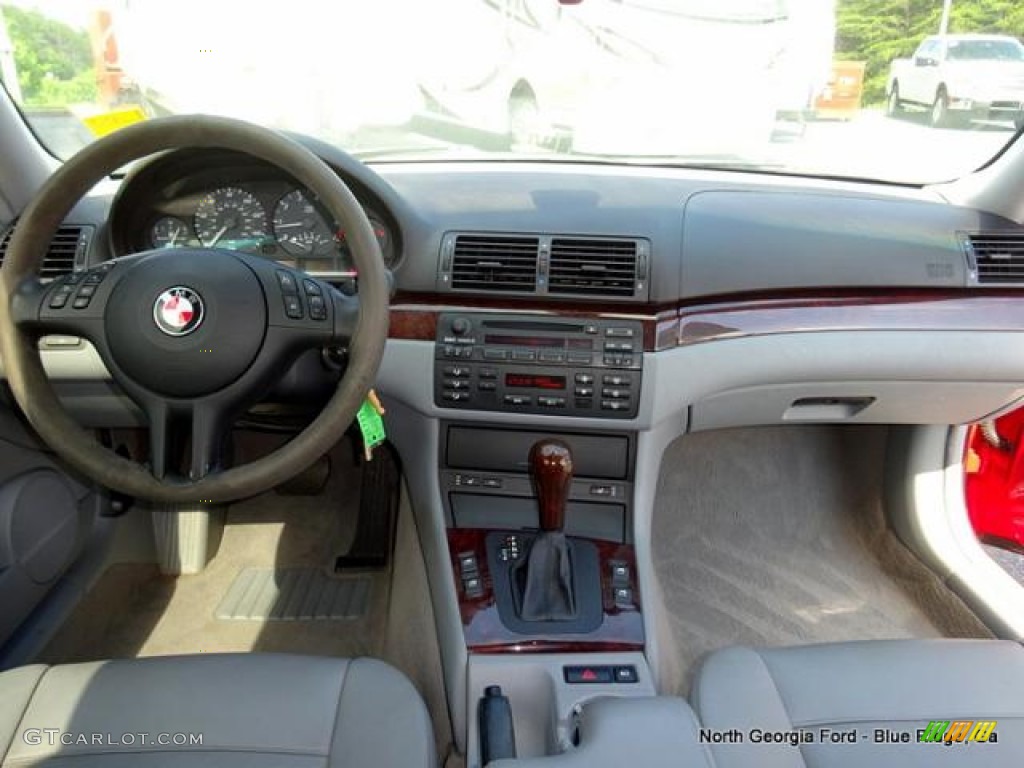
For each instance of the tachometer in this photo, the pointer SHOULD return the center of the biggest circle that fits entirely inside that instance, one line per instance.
(300, 229)
(232, 218)
(169, 232)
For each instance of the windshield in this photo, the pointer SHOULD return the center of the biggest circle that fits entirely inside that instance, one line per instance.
(820, 87)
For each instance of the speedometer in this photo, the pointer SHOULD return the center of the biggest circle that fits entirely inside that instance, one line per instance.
(300, 229)
(232, 218)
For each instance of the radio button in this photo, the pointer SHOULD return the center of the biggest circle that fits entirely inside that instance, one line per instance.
(461, 371)
(464, 352)
(615, 394)
(552, 357)
(618, 346)
(524, 354)
(487, 386)
(488, 373)
(456, 384)
(617, 381)
(455, 397)
(584, 378)
(590, 328)
(614, 405)
(551, 402)
(624, 333)
(584, 391)
(495, 354)
(518, 400)
(578, 357)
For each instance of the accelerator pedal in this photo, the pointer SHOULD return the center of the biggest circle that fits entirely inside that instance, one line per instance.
(378, 508)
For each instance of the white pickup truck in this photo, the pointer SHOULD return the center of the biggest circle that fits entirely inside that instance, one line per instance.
(961, 78)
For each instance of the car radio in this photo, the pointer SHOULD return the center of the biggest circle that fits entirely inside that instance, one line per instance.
(570, 367)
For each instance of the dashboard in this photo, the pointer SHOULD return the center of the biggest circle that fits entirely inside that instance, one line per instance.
(216, 199)
(742, 298)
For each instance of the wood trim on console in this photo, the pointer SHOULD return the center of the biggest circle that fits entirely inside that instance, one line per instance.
(414, 316)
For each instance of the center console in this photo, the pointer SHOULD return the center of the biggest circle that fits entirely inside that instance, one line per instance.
(539, 519)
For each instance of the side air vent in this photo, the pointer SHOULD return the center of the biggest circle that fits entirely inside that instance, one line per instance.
(997, 257)
(69, 244)
(598, 268)
(494, 263)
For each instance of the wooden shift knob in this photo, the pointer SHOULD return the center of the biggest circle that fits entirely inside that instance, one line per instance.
(551, 469)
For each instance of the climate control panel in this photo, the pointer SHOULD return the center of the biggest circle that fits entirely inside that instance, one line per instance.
(553, 366)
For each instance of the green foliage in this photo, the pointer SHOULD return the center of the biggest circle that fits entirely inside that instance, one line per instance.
(54, 60)
(878, 31)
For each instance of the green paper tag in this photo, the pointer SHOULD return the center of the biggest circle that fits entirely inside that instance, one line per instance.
(371, 425)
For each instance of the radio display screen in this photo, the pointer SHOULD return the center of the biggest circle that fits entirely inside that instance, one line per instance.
(525, 341)
(533, 381)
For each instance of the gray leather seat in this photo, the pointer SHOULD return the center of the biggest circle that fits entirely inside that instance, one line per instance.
(248, 710)
(873, 689)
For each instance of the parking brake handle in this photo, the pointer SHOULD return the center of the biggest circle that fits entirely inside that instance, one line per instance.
(497, 734)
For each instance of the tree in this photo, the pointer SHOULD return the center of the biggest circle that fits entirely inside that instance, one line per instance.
(878, 31)
(51, 57)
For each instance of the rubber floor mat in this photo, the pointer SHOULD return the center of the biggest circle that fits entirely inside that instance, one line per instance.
(292, 594)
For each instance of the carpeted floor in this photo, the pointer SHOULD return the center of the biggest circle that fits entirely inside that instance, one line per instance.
(776, 535)
(135, 611)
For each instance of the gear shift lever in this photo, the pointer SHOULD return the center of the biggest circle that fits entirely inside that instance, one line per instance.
(545, 579)
(551, 469)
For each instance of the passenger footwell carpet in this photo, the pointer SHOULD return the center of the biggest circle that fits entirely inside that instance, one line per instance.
(304, 594)
(775, 536)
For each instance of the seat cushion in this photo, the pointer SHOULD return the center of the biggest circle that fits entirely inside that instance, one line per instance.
(250, 710)
(881, 692)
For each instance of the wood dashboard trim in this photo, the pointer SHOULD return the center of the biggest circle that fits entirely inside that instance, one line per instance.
(751, 315)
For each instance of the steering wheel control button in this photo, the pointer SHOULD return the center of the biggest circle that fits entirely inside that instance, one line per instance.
(293, 306)
(95, 278)
(86, 290)
(287, 282)
(80, 302)
(177, 311)
(310, 287)
(317, 308)
(60, 297)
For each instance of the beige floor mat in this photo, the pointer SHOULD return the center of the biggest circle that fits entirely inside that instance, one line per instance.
(776, 536)
(135, 611)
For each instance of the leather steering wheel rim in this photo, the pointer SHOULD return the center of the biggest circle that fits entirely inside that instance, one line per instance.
(55, 200)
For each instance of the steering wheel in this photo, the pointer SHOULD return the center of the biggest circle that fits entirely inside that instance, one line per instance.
(194, 336)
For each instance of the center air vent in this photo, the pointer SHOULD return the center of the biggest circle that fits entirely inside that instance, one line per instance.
(70, 243)
(494, 263)
(998, 257)
(599, 268)
(573, 266)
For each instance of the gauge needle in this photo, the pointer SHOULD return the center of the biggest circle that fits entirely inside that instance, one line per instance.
(218, 236)
(175, 235)
(291, 225)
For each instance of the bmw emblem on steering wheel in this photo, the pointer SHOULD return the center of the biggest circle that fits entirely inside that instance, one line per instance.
(178, 311)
